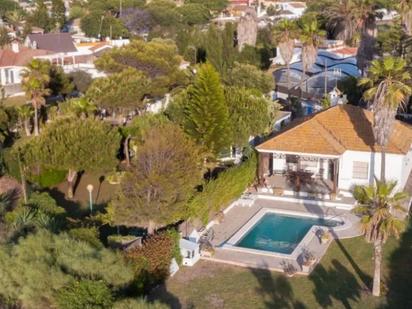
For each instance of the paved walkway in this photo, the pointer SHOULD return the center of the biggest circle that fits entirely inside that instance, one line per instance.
(238, 216)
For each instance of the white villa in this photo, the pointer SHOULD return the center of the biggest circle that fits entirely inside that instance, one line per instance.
(329, 152)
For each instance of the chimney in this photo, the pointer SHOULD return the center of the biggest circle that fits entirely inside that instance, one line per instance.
(15, 47)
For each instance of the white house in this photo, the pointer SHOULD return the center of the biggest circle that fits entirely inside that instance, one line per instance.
(190, 252)
(332, 151)
(286, 9)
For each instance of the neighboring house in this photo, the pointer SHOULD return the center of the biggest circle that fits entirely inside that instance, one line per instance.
(334, 62)
(12, 62)
(282, 119)
(56, 42)
(74, 27)
(58, 48)
(285, 9)
(335, 150)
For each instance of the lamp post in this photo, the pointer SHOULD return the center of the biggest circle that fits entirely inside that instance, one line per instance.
(90, 189)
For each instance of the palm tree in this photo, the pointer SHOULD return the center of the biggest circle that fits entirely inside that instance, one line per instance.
(80, 107)
(35, 80)
(311, 36)
(387, 91)
(341, 20)
(365, 15)
(404, 7)
(25, 112)
(5, 202)
(284, 35)
(376, 204)
(14, 18)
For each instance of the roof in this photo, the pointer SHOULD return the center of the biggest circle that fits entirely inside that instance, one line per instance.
(281, 115)
(346, 51)
(336, 130)
(187, 244)
(10, 58)
(56, 42)
(298, 5)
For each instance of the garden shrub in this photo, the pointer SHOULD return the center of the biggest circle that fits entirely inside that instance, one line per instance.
(87, 234)
(219, 193)
(45, 178)
(152, 261)
(85, 294)
(175, 235)
(11, 163)
(44, 202)
(140, 303)
(48, 177)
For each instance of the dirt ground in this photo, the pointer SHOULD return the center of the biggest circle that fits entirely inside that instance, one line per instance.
(102, 193)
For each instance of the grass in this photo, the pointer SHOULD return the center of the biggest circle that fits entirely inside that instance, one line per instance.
(342, 280)
(15, 101)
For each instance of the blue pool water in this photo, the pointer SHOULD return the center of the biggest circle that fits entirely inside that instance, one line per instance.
(280, 233)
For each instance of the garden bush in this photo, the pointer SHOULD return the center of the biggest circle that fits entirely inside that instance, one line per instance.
(85, 294)
(48, 177)
(11, 163)
(152, 261)
(44, 179)
(220, 192)
(140, 303)
(87, 234)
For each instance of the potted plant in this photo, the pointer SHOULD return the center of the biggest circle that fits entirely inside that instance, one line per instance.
(289, 269)
(308, 259)
(278, 191)
(207, 250)
(325, 237)
(220, 217)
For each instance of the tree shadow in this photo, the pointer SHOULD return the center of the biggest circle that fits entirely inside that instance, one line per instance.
(336, 283)
(72, 208)
(399, 281)
(101, 179)
(276, 290)
(77, 181)
(161, 294)
(365, 278)
(362, 125)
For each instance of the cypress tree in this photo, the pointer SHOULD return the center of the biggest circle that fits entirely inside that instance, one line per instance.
(206, 112)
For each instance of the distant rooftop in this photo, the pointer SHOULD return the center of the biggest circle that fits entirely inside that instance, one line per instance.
(55, 42)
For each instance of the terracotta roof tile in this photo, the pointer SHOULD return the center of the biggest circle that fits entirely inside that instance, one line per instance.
(336, 130)
(10, 58)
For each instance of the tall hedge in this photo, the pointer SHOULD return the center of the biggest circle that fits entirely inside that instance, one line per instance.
(219, 193)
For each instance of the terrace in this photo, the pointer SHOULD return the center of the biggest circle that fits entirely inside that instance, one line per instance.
(241, 217)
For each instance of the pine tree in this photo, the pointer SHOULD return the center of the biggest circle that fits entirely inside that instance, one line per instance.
(206, 113)
(41, 18)
(58, 13)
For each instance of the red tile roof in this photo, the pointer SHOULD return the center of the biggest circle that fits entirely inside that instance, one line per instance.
(10, 58)
(336, 130)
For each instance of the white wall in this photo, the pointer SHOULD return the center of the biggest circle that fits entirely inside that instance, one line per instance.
(297, 51)
(406, 168)
(395, 168)
(7, 80)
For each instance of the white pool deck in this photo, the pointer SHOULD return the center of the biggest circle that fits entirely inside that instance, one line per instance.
(238, 219)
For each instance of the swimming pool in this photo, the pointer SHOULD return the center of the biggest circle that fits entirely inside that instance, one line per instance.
(280, 233)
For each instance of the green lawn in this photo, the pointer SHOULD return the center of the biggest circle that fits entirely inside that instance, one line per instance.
(15, 101)
(342, 280)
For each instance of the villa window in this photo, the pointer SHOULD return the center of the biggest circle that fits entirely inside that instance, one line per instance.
(309, 165)
(360, 170)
